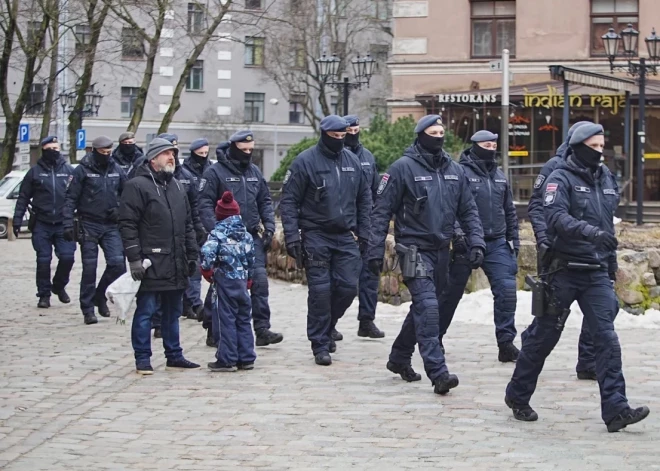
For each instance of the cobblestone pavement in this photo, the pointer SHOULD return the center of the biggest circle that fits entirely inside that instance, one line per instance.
(70, 399)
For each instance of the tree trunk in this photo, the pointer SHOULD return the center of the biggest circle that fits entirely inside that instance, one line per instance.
(52, 79)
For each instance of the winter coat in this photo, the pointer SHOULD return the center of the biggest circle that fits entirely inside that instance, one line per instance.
(230, 249)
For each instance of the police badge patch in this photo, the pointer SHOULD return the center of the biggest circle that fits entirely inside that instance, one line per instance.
(202, 184)
(550, 194)
(383, 184)
(287, 175)
(539, 181)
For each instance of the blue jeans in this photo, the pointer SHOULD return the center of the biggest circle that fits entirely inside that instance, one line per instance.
(233, 312)
(172, 307)
(44, 237)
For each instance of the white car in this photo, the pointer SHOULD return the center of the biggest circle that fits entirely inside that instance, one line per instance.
(10, 187)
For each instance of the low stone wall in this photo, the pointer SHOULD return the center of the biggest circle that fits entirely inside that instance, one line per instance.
(637, 280)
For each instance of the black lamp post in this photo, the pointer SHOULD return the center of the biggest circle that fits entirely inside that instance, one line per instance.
(630, 39)
(92, 103)
(363, 69)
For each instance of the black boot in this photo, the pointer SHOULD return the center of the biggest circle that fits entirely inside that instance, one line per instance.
(405, 371)
(521, 411)
(44, 302)
(62, 296)
(102, 305)
(90, 319)
(587, 374)
(188, 312)
(199, 311)
(443, 384)
(158, 334)
(508, 352)
(323, 359)
(266, 337)
(336, 335)
(210, 341)
(368, 329)
(333, 346)
(628, 417)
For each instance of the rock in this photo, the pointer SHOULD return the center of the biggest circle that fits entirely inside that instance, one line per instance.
(655, 306)
(635, 311)
(654, 258)
(405, 296)
(394, 285)
(477, 281)
(527, 257)
(648, 279)
(625, 276)
(657, 274)
(631, 296)
(636, 258)
(654, 292)
(395, 301)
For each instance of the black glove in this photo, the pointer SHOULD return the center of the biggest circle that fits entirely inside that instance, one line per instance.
(192, 267)
(68, 234)
(137, 270)
(612, 276)
(267, 239)
(113, 215)
(363, 245)
(476, 257)
(294, 249)
(459, 245)
(201, 236)
(17, 229)
(513, 248)
(604, 239)
(375, 266)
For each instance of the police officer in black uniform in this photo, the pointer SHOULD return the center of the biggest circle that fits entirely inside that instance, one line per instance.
(44, 189)
(235, 172)
(127, 153)
(198, 161)
(498, 218)
(326, 203)
(428, 192)
(93, 195)
(579, 204)
(368, 286)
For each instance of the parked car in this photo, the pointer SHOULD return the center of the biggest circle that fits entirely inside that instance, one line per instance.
(10, 187)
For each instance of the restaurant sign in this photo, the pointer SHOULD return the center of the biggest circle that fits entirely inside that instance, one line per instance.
(467, 98)
(554, 99)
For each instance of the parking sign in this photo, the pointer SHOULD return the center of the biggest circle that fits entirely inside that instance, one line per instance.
(80, 139)
(24, 133)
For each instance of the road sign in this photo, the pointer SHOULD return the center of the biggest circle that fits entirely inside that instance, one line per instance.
(496, 65)
(80, 139)
(24, 133)
(24, 149)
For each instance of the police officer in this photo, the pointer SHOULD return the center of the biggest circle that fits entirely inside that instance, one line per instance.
(198, 161)
(93, 195)
(586, 364)
(428, 192)
(237, 173)
(44, 189)
(368, 285)
(579, 204)
(326, 202)
(498, 218)
(127, 152)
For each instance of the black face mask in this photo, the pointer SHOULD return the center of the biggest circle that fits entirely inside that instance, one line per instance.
(237, 155)
(127, 149)
(587, 156)
(50, 156)
(198, 159)
(334, 145)
(101, 159)
(486, 155)
(352, 140)
(432, 144)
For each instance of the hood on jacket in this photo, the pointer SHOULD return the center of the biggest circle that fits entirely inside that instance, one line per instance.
(468, 159)
(89, 162)
(58, 163)
(231, 227)
(423, 157)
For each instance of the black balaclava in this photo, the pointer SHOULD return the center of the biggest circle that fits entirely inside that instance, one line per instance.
(352, 140)
(431, 144)
(198, 159)
(333, 144)
(237, 155)
(101, 159)
(50, 156)
(487, 155)
(587, 156)
(127, 149)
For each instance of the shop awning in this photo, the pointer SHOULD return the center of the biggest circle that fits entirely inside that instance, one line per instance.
(591, 79)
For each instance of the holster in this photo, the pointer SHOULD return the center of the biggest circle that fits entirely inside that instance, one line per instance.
(32, 222)
(410, 260)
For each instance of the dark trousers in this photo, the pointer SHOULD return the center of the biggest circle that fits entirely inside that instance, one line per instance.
(500, 266)
(368, 293)
(172, 306)
(332, 267)
(598, 302)
(44, 237)
(233, 316)
(259, 291)
(421, 325)
(193, 293)
(107, 236)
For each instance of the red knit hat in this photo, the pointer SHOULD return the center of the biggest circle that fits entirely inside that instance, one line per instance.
(226, 206)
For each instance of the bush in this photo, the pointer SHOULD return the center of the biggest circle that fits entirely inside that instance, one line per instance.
(291, 154)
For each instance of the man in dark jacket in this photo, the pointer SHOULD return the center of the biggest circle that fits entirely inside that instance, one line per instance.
(93, 195)
(368, 285)
(494, 200)
(579, 204)
(326, 205)
(235, 172)
(198, 161)
(156, 224)
(127, 153)
(427, 192)
(44, 189)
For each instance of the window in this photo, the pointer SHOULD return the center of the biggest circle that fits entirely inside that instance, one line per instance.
(379, 53)
(334, 105)
(381, 9)
(300, 60)
(128, 97)
(36, 100)
(254, 107)
(253, 4)
(606, 13)
(254, 51)
(132, 46)
(340, 7)
(296, 103)
(195, 18)
(196, 77)
(33, 30)
(258, 158)
(493, 28)
(83, 35)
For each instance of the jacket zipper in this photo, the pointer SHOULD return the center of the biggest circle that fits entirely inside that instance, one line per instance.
(341, 210)
(490, 199)
(54, 190)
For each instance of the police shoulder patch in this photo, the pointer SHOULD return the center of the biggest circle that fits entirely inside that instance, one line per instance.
(383, 183)
(202, 184)
(550, 194)
(539, 181)
(287, 175)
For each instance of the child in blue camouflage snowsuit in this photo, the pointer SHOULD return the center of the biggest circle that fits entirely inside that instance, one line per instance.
(227, 262)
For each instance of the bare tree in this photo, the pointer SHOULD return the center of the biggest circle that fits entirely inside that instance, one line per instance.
(52, 75)
(219, 128)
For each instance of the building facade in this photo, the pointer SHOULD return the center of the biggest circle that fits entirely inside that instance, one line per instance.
(441, 63)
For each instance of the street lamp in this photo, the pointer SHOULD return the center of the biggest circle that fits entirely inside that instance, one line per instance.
(363, 69)
(274, 102)
(630, 39)
(91, 107)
